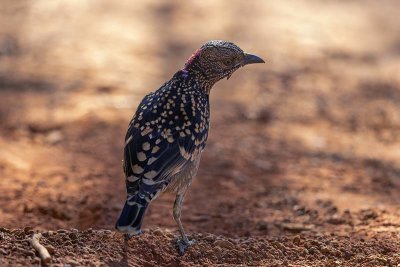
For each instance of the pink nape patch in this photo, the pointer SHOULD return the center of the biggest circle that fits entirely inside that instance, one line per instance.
(193, 56)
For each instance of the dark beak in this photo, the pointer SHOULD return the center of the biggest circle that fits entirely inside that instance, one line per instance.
(251, 59)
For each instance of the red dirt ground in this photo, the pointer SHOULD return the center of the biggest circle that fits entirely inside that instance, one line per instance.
(302, 167)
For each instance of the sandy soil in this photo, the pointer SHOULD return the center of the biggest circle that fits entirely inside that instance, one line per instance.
(302, 167)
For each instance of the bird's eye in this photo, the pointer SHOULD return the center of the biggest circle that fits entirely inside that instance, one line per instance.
(228, 62)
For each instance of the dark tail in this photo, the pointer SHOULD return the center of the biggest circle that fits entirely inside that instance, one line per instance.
(131, 218)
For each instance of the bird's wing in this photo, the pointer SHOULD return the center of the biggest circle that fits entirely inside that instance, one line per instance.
(156, 150)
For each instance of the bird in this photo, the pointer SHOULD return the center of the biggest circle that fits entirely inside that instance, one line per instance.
(168, 133)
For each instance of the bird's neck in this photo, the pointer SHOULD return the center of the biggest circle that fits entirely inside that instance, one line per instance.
(194, 72)
(194, 80)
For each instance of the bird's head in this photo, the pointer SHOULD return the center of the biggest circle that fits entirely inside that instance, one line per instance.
(217, 59)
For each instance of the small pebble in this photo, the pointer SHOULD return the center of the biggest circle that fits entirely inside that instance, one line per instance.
(30, 253)
(158, 232)
(224, 244)
(210, 238)
(50, 249)
(73, 236)
(28, 229)
(296, 240)
(36, 260)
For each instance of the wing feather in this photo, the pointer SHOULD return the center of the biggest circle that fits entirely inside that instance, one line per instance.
(168, 148)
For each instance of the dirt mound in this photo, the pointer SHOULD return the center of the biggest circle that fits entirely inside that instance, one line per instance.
(157, 247)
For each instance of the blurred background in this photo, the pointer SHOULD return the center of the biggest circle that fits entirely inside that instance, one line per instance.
(310, 139)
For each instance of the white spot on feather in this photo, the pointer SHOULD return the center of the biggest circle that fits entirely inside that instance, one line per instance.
(146, 146)
(150, 174)
(132, 178)
(137, 169)
(141, 156)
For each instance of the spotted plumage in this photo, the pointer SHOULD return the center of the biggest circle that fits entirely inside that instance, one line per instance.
(167, 134)
(169, 131)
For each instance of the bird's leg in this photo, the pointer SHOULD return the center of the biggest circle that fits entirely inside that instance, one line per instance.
(177, 216)
(184, 243)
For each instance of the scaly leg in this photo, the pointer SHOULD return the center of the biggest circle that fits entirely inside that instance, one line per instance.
(184, 243)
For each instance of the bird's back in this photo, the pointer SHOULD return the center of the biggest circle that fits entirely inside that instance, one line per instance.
(166, 137)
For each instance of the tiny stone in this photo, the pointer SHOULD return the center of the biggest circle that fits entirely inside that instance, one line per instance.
(224, 244)
(210, 238)
(296, 240)
(73, 263)
(50, 249)
(158, 232)
(335, 219)
(48, 233)
(54, 137)
(30, 253)
(262, 226)
(28, 229)
(36, 260)
(312, 250)
(73, 236)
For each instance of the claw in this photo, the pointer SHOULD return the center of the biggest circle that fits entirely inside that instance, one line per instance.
(184, 245)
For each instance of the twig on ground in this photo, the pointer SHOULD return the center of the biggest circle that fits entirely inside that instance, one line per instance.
(43, 253)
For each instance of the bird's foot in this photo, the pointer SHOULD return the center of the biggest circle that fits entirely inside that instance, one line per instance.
(130, 235)
(183, 245)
